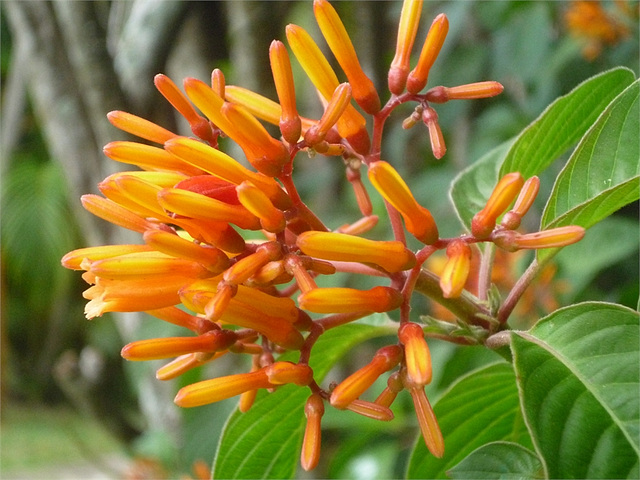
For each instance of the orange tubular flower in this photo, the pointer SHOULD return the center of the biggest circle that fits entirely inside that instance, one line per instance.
(435, 38)
(148, 157)
(418, 220)
(259, 106)
(456, 269)
(554, 237)
(255, 200)
(218, 82)
(158, 348)
(223, 166)
(146, 263)
(280, 373)
(74, 258)
(334, 109)
(464, 92)
(511, 220)
(181, 318)
(389, 394)
(358, 382)
(278, 329)
(247, 266)
(391, 255)
(264, 152)
(313, 410)
(416, 353)
(247, 398)
(214, 259)
(194, 205)
(184, 363)
(114, 213)
(430, 118)
(427, 421)
(351, 125)
(137, 294)
(169, 90)
(364, 92)
(407, 30)
(350, 300)
(503, 194)
(216, 389)
(290, 123)
(139, 127)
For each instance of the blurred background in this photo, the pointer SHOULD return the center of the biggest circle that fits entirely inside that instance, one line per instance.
(71, 408)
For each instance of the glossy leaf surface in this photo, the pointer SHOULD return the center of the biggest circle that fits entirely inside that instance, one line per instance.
(603, 174)
(502, 460)
(578, 374)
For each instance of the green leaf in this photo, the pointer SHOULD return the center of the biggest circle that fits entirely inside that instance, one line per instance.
(564, 122)
(265, 441)
(502, 460)
(619, 234)
(603, 174)
(578, 374)
(471, 188)
(479, 408)
(560, 126)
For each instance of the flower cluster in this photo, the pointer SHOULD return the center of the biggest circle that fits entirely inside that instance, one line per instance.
(193, 204)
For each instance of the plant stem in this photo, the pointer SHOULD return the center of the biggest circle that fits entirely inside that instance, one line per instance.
(466, 307)
(484, 276)
(516, 292)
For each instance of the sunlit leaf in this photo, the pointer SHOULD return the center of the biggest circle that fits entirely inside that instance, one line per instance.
(578, 373)
(502, 460)
(559, 127)
(603, 174)
(564, 122)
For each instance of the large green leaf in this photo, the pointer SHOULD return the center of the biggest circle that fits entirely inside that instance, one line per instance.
(564, 122)
(560, 126)
(265, 441)
(619, 234)
(504, 460)
(481, 407)
(578, 374)
(603, 174)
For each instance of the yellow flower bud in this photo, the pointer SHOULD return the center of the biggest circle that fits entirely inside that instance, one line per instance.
(513, 217)
(313, 410)
(391, 255)
(114, 213)
(335, 34)
(358, 382)
(290, 124)
(456, 269)
(216, 389)
(407, 30)
(418, 220)
(503, 194)
(416, 353)
(139, 127)
(158, 348)
(433, 43)
(350, 300)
